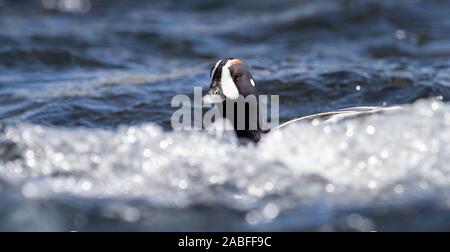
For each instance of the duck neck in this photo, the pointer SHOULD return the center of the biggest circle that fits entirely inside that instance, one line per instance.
(244, 114)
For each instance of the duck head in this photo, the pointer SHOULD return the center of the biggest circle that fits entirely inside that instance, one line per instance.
(230, 78)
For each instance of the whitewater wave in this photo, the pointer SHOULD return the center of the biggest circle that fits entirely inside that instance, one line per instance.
(350, 175)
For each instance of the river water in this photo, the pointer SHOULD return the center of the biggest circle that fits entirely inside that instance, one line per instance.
(86, 142)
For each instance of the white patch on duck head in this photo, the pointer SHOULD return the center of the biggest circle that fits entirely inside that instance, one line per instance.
(252, 82)
(215, 68)
(229, 88)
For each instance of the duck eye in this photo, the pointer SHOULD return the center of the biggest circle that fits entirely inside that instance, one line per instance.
(236, 77)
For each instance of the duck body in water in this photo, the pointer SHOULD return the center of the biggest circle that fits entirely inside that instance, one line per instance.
(233, 90)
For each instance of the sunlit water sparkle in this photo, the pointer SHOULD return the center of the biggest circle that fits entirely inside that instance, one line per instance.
(342, 175)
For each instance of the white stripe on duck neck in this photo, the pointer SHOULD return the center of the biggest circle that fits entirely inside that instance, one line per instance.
(228, 86)
(215, 68)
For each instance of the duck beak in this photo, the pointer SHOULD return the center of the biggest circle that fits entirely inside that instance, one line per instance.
(213, 96)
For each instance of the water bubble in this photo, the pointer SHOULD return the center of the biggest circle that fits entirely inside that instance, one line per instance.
(347, 162)
(59, 157)
(370, 129)
(329, 188)
(419, 145)
(29, 154)
(268, 186)
(29, 190)
(183, 184)
(384, 154)
(147, 166)
(86, 185)
(131, 214)
(163, 144)
(362, 165)
(350, 130)
(73, 6)
(400, 34)
(31, 162)
(138, 179)
(423, 184)
(250, 168)
(253, 217)
(147, 152)
(213, 179)
(399, 189)
(343, 145)
(254, 190)
(372, 184)
(372, 160)
(434, 105)
(95, 158)
(271, 211)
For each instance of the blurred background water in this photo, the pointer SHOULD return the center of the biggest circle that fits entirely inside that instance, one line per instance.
(86, 143)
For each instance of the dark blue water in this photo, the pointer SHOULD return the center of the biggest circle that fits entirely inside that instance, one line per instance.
(86, 143)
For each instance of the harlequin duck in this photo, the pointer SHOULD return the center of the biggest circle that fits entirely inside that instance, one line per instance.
(232, 82)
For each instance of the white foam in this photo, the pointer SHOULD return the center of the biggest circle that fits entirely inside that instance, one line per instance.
(388, 159)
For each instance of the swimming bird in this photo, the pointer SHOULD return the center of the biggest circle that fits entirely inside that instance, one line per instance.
(232, 85)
